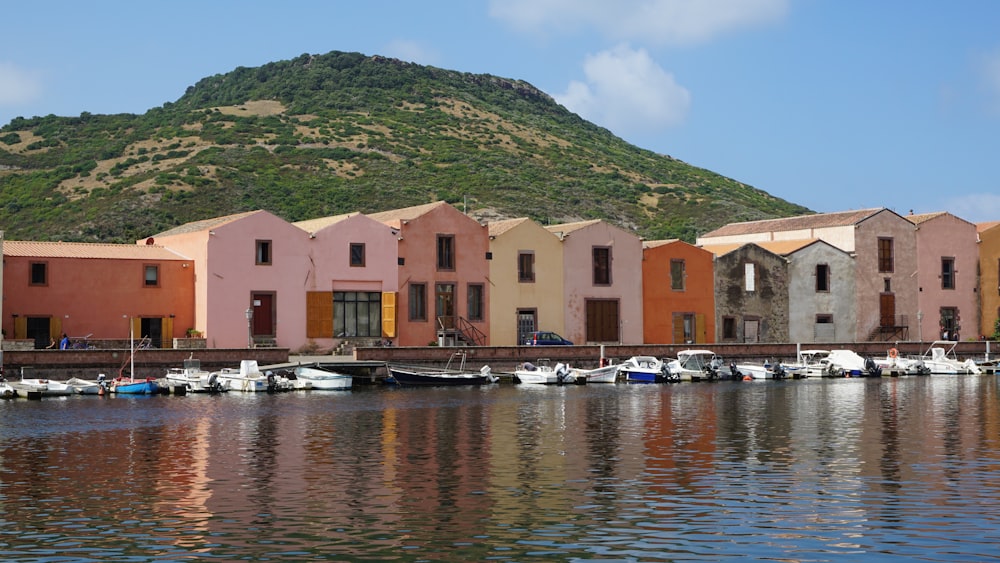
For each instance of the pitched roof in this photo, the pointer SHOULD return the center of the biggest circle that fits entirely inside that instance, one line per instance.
(205, 224)
(498, 228)
(396, 216)
(981, 227)
(658, 243)
(801, 222)
(320, 223)
(37, 249)
(779, 247)
(921, 217)
(566, 228)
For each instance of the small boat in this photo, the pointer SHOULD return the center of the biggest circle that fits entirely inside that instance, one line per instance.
(132, 386)
(895, 364)
(194, 379)
(323, 380)
(695, 365)
(848, 363)
(543, 374)
(643, 369)
(940, 358)
(249, 379)
(809, 363)
(429, 376)
(604, 374)
(88, 387)
(751, 371)
(42, 387)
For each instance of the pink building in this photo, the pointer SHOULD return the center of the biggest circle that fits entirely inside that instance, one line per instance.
(351, 291)
(602, 270)
(443, 269)
(947, 262)
(251, 270)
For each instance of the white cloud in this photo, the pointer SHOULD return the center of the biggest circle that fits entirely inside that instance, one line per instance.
(627, 92)
(977, 208)
(649, 21)
(18, 86)
(410, 51)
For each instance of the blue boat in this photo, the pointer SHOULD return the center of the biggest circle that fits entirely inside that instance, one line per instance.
(135, 386)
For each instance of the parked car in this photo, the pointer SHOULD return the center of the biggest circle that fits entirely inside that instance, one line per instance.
(545, 338)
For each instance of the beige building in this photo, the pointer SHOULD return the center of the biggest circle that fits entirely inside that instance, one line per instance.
(526, 277)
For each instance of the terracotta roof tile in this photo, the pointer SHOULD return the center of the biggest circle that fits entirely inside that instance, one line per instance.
(35, 249)
(566, 228)
(658, 243)
(320, 223)
(817, 221)
(394, 217)
(498, 228)
(204, 224)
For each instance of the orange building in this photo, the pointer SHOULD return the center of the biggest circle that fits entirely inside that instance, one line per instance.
(989, 276)
(102, 291)
(678, 293)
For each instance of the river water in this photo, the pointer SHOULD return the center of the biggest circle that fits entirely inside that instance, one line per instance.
(800, 470)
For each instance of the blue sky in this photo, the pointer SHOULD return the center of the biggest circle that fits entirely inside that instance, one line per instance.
(831, 104)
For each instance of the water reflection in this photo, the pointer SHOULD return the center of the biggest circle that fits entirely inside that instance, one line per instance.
(797, 470)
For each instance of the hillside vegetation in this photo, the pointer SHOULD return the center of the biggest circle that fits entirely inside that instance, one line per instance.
(328, 134)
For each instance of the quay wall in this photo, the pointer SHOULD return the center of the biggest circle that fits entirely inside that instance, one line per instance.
(61, 365)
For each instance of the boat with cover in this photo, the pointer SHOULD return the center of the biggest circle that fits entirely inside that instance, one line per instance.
(643, 369)
(808, 363)
(431, 376)
(323, 380)
(750, 371)
(89, 387)
(543, 374)
(848, 363)
(695, 365)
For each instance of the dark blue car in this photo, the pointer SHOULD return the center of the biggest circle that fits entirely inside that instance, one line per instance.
(545, 338)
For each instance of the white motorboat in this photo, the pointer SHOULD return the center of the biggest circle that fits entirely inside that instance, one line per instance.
(249, 379)
(748, 371)
(643, 369)
(321, 379)
(848, 363)
(543, 374)
(6, 391)
(196, 380)
(41, 387)
(809, 363)
(604, 374)
(940, 358)
(695, 365)
(895, 364)
(89, 387)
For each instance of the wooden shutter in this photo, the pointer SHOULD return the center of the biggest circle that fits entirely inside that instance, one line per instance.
(21, 328)
(319, 314)
(700, 335)
(678, 326)
(167, 332)
(389, 314)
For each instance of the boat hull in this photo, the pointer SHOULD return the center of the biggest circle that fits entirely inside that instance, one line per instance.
(146, 387)
(402, 376)
(606, 374)
(322, 380)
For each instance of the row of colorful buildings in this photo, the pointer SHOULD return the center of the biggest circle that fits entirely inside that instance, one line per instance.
(431, 274)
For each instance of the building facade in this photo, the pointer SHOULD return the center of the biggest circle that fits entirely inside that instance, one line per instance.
(678, 293)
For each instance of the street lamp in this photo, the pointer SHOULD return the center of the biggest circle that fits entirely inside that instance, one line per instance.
(249, 313)
(920, 325)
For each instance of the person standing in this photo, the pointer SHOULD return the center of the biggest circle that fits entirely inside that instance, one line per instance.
(64, 343)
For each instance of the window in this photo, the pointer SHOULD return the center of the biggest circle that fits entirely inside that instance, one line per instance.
(446, 252)
(357, 313)
(947, 273)
(949, 323)
(822, 278)
(602, 265)
(677, 275)
(476, 291)
(152, 276)
(824, 319)
(729, 328)
(39, 273)
(263, 253)
(526, 267)
(357, 255)
(749, 276)
(418, 302)
(885, 263)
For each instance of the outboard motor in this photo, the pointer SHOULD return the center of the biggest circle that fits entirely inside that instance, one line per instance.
(213, 383)
(871, 368)
(779, 371)
(734, 371)
(272, 382)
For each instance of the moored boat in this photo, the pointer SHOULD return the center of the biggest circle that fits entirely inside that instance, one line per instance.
(323, 380)
(194, 379)
(543, 374)
(431, 376)
(643, 369)
(940, 358)
(249, 379)
(604, 374)
(695, 365)
(87, 386)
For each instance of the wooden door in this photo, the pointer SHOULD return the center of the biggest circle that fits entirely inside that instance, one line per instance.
(887, 310)
(263, 314)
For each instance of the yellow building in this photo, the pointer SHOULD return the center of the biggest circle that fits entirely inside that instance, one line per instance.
(989, 275)
(526, 281)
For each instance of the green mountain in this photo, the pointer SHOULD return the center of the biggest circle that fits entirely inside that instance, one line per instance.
(328, 134)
